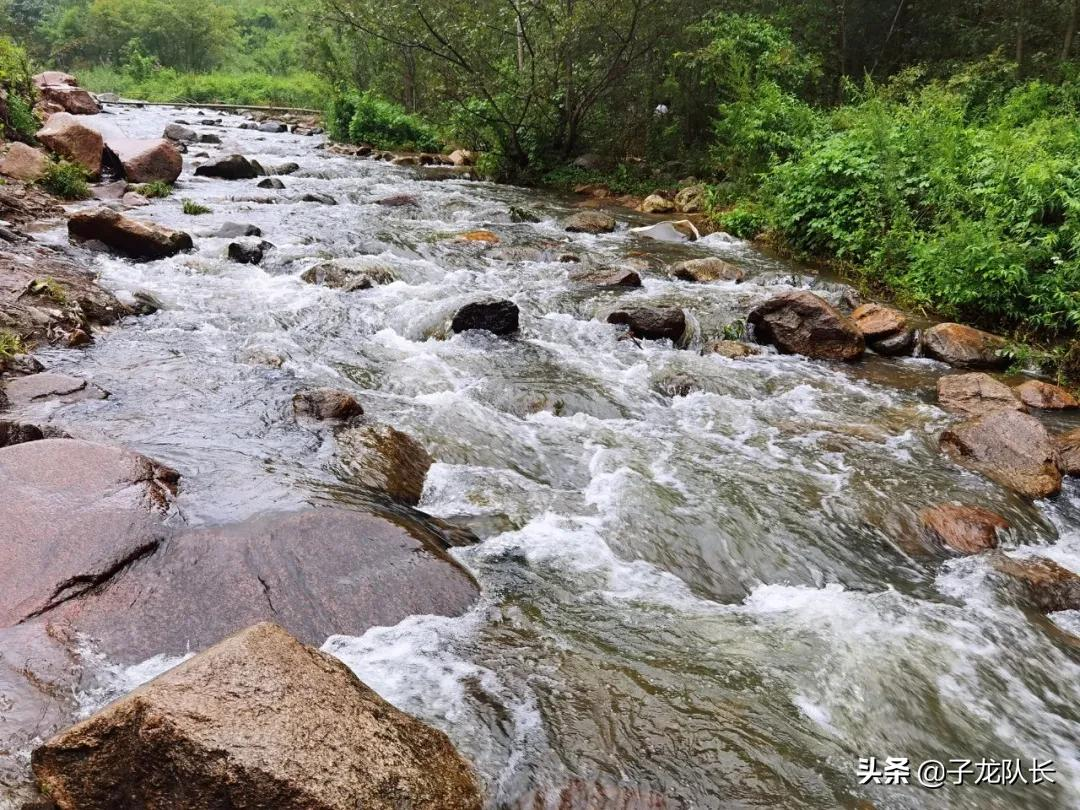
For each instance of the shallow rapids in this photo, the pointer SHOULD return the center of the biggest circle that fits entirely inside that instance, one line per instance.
(707, 597)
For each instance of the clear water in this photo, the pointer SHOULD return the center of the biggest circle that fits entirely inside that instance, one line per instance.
(710, 597)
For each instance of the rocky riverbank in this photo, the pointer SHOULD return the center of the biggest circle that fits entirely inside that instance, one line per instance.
(107, 566)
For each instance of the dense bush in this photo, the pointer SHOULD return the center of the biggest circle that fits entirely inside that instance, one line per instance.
(167, 85)
(366, 118)
(16, 112)
(65, 180)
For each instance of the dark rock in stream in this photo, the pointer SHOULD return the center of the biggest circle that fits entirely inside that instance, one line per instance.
(651, 323)
(321, 199)
(326, 404)
(145, 160)
(497, 317)
(273, 127)
(799, 322)
(960, 528)
(259, 720)
(340, 276)
(131, 238)
(885, 329)
(1068, 449)
(605, 277)
(385, 460)
(234, 230)
(398, 201)
(248, 252)
(12, 432)
(706, 270)
(1041, 583)
(179, 132)
(590, 222)
(731, 349)
(271, 182)
(74, 514)
(1045, 396)
(233, 167)
(1011, 448)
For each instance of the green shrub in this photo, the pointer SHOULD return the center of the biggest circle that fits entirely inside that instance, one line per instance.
(158, 189)
(17, 119)
(366, 118)
(745, 221)
(65, 180)
(10, 344)
(194, 209)
(221, 87)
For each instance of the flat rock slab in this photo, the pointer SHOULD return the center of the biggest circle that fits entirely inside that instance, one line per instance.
(318, 573)
(257, 721)
(73, 513)
(22, 391)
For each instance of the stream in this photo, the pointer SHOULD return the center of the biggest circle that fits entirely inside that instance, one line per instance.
(710, 598)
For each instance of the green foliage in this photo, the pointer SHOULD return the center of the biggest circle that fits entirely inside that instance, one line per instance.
(158, 189)
(626, 178)
(192, 208)
(970, 209)
(17, 119)
(65, 180)
(166, 85)
(745, 221)
(366, 118)
(10, 345)
(50, 288)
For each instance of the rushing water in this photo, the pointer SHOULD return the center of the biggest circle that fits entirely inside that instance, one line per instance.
(711, 597)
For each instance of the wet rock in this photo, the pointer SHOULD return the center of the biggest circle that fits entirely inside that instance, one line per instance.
(960, 528)
(590, 222)
(258, 167)
(67, 137)
(326, 404)
(1008, 447)
(441, 173)
(23, 162)
(321, 199)
(273, 127)
(731, 349)
(210, 138)
(18, 365)
(799, 322)
(605, 276)
(975, 394)
(497, 317)
(652, 323)
(406, 160)
(690, 200)
(678, 385)
(110, 192)
(249, 252)
(965, 347)
(706, 270)
(1040, 582)
(286, 168)
(233, 167)
(16, 432)
(147, 161)
(134, 200)
(1046, 397)
(518, 214)
(236, 230)
(257, 720)
(462, 157)
(1068, 449)
(657, 204)
(885, 329)
(23, 391)
(385, 460)
(345, 277)
(134, 239)
(73, 100)
(398, 201)
(489, 237)
(74, 514)
(318, 572)
(271, 182)
(179, 132)
(898, 345)
(146, 303)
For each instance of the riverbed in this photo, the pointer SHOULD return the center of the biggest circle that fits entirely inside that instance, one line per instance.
(699, 576)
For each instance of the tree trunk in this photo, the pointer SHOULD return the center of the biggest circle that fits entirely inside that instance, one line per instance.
(1021, 33)
(1070, 31)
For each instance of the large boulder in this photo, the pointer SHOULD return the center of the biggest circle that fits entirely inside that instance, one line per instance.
(67, 137)
(232, 167)
(131, 238)
(652, 323)
(690, 200)
(497, 317)
(590, 222)
(705, 270)
(1045, 396)
(965, 347)
(347, 277)
(385, 460)
(319, 572)
(23, 162)
(975, 394)
(72, 100)
(657, 204)
(462, 157)
(180, 132)
(147, 160)
(1008, 447)
(1068, 449)
(259, 720)
(54, 78)
(74, 514)
(960, 528)
(1041, 583)
(885, 329)
(799, 322)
